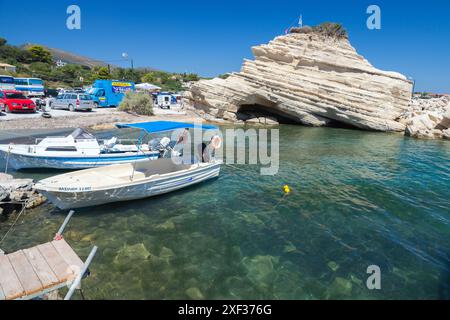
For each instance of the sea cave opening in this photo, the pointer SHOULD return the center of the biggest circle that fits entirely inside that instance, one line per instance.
(249, 111)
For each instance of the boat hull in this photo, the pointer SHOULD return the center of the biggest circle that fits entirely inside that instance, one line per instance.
(139, 190)
(20, 161)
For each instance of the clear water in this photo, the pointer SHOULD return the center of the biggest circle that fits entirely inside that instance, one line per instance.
(358, 199)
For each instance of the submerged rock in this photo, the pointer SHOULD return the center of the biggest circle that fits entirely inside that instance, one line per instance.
(260, 269)
(308, 78)
(166, 253)
(333, 266)
(340, 288)
(289, 248)
(168, 225)
(131, 254)
(194, 294)
(356, 280)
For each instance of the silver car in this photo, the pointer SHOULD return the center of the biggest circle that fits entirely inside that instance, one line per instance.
(73, 101)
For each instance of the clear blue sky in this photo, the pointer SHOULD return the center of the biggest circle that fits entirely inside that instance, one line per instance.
(212, 37)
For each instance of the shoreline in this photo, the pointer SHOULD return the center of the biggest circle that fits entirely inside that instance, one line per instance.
(104, 120)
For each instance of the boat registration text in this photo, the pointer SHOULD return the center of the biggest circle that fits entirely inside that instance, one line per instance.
(75, 189)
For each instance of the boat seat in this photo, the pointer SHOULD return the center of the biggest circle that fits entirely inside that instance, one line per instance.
(111, 142)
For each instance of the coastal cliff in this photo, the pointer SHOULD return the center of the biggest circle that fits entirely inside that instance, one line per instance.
(305, 77)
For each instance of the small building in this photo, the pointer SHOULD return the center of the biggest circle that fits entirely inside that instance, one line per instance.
(60, 63)
(7, 67)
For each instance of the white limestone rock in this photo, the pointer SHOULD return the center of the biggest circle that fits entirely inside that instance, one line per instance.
(310, 79)
(446, 134)
(427, 118)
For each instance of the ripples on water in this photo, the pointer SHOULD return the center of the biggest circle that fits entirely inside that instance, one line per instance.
(357, 199)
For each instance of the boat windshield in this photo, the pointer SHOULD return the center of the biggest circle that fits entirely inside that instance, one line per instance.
(80, 133)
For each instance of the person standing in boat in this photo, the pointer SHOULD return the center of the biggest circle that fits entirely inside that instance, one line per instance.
(183, 138)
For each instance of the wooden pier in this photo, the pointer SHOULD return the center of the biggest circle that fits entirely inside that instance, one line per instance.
(27, 273)
(33, 272)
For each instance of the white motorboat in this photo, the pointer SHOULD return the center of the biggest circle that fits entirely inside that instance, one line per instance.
(78, 150)
(123, 182)
(130, 181)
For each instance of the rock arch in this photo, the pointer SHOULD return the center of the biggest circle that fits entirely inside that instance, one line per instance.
(256, 106)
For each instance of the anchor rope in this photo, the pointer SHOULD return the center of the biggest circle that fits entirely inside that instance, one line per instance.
(24, 206)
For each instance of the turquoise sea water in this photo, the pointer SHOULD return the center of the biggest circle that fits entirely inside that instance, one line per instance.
(358, 199)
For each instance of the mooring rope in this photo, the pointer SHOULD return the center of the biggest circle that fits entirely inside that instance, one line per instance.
(7, 158)
(24, 206)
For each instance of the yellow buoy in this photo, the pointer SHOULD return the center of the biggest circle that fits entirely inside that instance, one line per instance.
(286, 189)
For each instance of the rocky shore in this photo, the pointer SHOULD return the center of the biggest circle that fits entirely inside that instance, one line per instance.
(427, 118)
(16, 193)
(315, 79)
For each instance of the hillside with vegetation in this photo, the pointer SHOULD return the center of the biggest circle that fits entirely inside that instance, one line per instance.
(40, 62)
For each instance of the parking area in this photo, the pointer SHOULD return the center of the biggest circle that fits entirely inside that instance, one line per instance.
(55, 114)
(58, 113)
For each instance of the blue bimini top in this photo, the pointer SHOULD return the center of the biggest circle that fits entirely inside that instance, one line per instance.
(162, 126)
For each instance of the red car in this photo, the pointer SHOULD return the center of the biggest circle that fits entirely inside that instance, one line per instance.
(12, 101)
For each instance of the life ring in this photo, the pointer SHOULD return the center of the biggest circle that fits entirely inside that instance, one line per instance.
(216, 142)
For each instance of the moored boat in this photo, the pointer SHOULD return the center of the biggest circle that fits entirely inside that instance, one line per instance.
(78, 150)
(135, 180)
(123, 182)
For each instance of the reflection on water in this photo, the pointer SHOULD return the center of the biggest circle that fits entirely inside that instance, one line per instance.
(357, 199)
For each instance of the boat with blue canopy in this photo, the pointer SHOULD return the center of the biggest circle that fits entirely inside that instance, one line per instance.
(78, 150)
(138, 179)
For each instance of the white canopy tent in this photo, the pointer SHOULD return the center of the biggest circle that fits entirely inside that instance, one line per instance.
(147, 87)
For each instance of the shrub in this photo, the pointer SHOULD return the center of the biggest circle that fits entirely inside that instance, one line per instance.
(331, 29)
(136, 102)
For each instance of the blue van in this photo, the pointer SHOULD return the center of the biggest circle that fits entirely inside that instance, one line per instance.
(109, 93)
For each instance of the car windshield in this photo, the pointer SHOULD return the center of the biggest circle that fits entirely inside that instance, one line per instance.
(36, 82)
(85, 97)
(6, 80)
(14, 95)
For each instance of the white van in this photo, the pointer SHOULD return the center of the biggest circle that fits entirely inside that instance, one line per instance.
(164, 101)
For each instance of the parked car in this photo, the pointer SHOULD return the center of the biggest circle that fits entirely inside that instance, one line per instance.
(73, 101)
(15, 101)
(51, 93)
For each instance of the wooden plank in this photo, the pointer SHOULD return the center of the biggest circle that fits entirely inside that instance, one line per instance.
(68, 254)
(2, 295)
(12, 288)
(25, 272)
(59, 267)
(41, 267)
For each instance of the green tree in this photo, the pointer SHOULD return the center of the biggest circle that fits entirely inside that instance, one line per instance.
(118, 73)
(40, 54)
(132, 75)
(149, 78)
(101, 73)
(2, 41)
